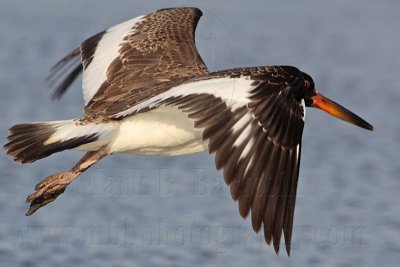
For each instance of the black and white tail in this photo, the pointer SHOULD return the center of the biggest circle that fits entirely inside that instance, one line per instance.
(33, 141)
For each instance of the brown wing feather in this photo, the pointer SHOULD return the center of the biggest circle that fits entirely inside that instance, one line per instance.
(263, 180)
(161, 49)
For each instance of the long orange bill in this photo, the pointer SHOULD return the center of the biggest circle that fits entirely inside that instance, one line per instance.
(339, 112)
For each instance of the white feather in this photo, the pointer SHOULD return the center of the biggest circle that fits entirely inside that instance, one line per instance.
(303, 104)
(247, 148)
(70, 129)
(243, 135)
(249, 165)
(234, 91)
(162, 131)
(242, 122)
(107, 50)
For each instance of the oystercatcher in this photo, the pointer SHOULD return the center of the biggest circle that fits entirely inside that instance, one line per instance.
(147, 91)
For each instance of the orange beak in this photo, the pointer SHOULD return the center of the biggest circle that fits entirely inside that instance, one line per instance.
(338, 111)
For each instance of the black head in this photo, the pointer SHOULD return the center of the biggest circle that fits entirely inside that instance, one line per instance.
(313, 98)
(309, 91)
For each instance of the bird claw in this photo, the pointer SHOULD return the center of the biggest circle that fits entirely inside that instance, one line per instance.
(42, 201)
(48, 190)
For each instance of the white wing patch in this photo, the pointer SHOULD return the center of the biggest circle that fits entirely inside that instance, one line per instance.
(246, 149)
(245, 120)
(303, 104)
(69, 129)
(234, 91)
(106, 51)
(243, 136)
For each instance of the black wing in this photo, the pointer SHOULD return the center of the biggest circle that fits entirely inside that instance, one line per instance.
(257, 143)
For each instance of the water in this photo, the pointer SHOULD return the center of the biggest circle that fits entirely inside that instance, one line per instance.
(142, 211)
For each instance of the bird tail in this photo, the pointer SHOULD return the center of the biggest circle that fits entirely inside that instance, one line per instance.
(33, 141)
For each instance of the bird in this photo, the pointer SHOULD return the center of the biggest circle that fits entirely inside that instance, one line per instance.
(147, 91)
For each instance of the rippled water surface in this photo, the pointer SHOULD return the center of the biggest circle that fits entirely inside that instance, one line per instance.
(145, 211)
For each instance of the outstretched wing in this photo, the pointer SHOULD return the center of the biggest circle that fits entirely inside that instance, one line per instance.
(138, 53)
(253, 122)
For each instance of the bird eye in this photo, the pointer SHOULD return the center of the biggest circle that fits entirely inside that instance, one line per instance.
(307, 83)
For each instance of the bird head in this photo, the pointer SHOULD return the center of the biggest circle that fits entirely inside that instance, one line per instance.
(315, 99)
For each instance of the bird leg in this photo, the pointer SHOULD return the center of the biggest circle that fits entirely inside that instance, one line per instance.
(54, 185)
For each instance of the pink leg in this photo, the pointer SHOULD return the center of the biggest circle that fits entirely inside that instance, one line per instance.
(54, 185)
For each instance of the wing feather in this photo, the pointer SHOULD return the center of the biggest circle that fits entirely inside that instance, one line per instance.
(124, 61)
(256, 137)
(61, 76)
(159, 48)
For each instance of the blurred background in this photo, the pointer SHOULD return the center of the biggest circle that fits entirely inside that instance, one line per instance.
(176, 211)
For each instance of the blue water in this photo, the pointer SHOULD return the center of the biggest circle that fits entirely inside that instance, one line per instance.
(176, 211)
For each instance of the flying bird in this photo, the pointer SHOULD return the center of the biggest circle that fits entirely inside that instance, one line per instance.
(147, 91)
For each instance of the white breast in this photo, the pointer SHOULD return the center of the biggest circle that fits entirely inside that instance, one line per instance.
(163, 131)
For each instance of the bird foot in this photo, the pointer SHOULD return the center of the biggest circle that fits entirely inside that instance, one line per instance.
(48, 190)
